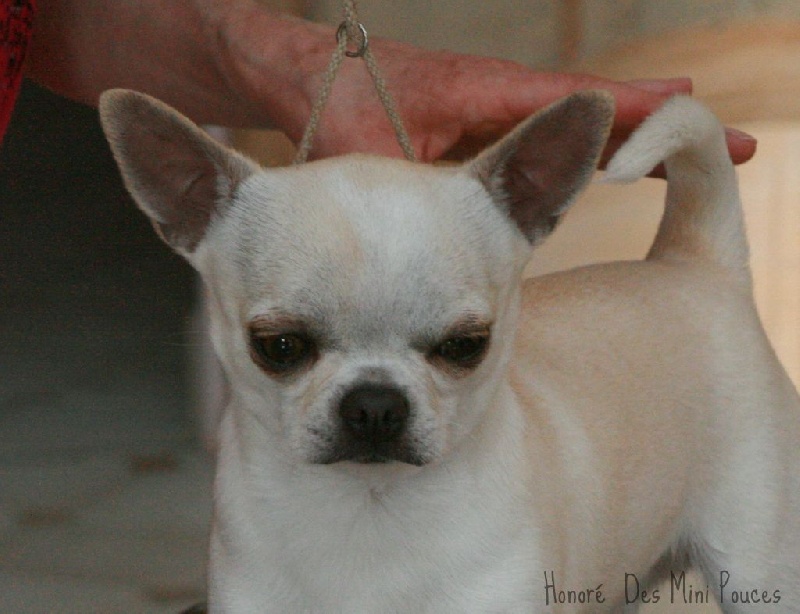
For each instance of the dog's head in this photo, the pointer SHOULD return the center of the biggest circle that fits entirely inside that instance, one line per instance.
(363, 308)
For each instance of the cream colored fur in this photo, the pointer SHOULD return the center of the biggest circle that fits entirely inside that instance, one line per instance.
(626, 421)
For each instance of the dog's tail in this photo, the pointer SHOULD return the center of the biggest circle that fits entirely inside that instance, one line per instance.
(703, 214)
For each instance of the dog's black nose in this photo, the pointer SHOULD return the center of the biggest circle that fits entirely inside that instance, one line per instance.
(374, 413)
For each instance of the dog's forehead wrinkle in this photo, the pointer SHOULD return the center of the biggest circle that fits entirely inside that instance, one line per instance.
(284, 237)
(371, 207)
(368, 252)
(404, 204)
(418, 234)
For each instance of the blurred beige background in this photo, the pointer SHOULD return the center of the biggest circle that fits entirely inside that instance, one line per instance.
(744, 58)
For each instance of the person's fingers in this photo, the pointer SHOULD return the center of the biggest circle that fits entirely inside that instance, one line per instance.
(742, 146)
(455, 105)
(666, 87)
(634, 102)
(505, 99)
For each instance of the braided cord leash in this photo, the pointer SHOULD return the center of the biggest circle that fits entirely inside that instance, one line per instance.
(352, 31)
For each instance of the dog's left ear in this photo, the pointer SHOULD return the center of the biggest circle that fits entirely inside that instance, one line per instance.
(537, 170)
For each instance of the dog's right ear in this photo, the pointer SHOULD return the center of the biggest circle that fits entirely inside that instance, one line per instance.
(177, 174)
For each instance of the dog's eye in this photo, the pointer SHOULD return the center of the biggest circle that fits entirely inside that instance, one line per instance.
(282, 352)
(463, 351)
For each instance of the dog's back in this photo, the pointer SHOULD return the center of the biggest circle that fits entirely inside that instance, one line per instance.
(655, 395)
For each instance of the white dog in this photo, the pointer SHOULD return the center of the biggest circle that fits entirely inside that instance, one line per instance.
(413, 428)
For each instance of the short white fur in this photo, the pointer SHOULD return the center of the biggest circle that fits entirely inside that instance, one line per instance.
(626, 418)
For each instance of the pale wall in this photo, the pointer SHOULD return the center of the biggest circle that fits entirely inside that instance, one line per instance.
(533, 32)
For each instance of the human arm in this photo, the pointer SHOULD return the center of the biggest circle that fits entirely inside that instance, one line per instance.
(234, 63)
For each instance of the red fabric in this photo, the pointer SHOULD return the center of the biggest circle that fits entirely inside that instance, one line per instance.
(16, 24)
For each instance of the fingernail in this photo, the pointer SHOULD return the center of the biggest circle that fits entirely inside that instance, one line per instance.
(738, 134)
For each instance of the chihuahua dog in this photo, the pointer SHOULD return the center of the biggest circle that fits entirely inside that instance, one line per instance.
(413, 427)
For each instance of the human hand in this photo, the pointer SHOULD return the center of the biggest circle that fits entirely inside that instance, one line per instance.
(452, 105)
(235, 63)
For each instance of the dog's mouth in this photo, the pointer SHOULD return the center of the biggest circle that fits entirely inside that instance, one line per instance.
(372, 454)
(372, 458)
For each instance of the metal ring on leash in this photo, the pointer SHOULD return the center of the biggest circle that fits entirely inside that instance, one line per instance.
(343, 37)
(362, 46)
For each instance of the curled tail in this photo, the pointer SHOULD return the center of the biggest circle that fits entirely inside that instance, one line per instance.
(703, 214)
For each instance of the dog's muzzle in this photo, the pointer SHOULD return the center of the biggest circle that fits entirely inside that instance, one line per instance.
(373, 427)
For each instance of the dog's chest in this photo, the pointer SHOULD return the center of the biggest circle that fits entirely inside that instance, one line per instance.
(423, 551)
(414, 578)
